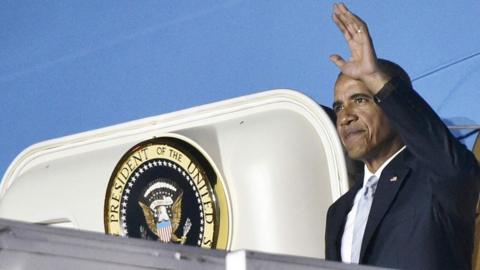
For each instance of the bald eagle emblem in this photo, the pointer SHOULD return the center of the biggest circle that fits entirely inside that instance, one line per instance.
(164, 189)
(162, 208)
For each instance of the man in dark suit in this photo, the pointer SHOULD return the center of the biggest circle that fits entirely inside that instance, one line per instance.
(414, 205)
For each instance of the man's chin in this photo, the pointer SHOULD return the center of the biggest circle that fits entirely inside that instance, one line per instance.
(355, 154)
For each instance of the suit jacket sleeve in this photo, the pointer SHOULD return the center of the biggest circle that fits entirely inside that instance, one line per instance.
(429, 140)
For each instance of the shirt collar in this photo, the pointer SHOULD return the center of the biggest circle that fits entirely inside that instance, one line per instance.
(367, 174)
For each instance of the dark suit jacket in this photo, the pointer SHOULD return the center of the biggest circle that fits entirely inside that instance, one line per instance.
(423, 212)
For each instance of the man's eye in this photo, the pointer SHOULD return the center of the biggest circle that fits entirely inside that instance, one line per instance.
(360, 100)
(337, 108)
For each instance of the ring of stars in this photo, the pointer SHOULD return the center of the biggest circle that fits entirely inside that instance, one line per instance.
(145, 168)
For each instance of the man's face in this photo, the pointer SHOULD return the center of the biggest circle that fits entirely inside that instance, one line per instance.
(363, 127)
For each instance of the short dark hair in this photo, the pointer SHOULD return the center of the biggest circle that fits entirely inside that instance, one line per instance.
(393, 70)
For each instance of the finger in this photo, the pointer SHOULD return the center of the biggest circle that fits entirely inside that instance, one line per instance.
(337, 9)
(342, 7)
(342, 27)
(352, 29)
(358, 24)
(348, 15)
(346, 18)
(340, 24)
(352, 22)
(337, 60)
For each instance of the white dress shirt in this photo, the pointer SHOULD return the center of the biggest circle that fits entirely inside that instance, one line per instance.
(347, 238)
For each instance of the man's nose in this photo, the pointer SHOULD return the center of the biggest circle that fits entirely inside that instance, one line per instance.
(347, 116)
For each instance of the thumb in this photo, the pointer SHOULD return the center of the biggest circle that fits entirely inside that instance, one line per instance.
(337, 60)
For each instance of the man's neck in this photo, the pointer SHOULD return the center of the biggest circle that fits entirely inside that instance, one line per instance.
(374, 164)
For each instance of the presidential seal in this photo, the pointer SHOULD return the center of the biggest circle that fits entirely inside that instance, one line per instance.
(165, 189)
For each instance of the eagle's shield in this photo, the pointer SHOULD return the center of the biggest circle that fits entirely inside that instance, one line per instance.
(164, 231)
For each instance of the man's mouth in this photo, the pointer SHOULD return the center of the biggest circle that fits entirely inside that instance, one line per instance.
(352, 135)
